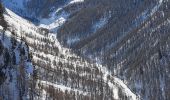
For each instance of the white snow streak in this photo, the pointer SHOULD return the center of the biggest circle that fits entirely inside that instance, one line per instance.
(62, 87)
(119, 82)
(76, 1)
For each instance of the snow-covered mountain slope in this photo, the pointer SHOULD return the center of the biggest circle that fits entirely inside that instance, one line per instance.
(132, 42)
(75, 1)
(61, 74)
(35, 10)
(16, 69)
(17, 6)
(129, 37)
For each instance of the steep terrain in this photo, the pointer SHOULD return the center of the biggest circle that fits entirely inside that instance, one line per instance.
(59, 74)
(79, 46)
(16, 69)
(130, 37)
(35, 10)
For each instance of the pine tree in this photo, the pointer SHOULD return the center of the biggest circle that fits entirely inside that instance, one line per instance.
(1, 48)
(3, 23)
(1, 11)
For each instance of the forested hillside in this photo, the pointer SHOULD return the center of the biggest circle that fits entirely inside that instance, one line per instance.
(16, 69)
(130, 37)
(41, 68)
(85, 49)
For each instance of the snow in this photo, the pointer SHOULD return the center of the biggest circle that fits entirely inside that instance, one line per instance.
(28, 27)
(168, 20)
(54, 24)
(99, 24)
(17, 20)
(54, 21)
(1, 28)
(21, 25)
(149, 12)
(156, 7)
(160, 1)
(44, 95)
(13, 72)
(125, 88)
(72, 40)
(17, 6)
(76, 1)
(119, 82)
(62, 87)
(29, 67)
(102, 21)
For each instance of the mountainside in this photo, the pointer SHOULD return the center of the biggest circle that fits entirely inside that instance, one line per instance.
(35, 10)
(58, 74)
(16, 69)
(88, 49)
(129, 37)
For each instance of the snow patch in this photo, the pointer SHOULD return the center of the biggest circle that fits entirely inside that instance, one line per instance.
(72, 40)
(29, 67)
(54, 21)
(62, 87)
(99, 24)
(119, 82)
(76, 1)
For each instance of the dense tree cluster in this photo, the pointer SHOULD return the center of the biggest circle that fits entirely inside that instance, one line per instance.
(3, 23)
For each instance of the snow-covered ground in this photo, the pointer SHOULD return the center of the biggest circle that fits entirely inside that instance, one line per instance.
(54, 21)
(10, 88)
(76, 1)
(22, 27)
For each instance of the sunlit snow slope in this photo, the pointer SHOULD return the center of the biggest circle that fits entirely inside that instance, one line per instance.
(16, 69)
(61, 74)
